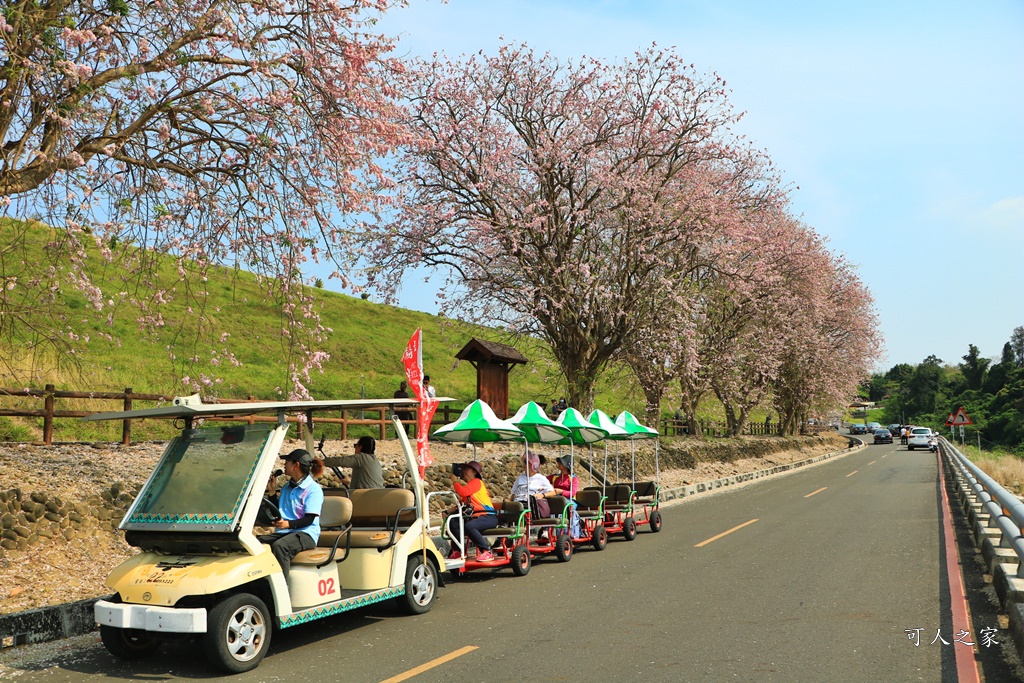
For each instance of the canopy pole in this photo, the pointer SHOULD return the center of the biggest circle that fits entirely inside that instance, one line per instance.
(632, 459)
(657, 472)
(604, 480)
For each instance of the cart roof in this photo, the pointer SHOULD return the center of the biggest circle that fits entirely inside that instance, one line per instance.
(245, 409)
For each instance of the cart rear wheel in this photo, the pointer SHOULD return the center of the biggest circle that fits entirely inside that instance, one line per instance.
(420, 586)
(655, 521)
(563, 548)
(238, 633)
(629, 528)
(600, 538)
(127, 643)
(521, 560)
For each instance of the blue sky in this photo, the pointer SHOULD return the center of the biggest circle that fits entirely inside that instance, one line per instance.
(901, 123)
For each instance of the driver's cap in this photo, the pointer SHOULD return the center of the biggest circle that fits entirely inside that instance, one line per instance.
(301, 456)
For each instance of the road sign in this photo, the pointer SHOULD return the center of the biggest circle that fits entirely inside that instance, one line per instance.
(959, 418)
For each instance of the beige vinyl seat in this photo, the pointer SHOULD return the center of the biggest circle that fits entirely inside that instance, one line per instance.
(335, 525)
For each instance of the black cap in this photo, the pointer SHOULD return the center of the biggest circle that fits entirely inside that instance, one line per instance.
(301, 456)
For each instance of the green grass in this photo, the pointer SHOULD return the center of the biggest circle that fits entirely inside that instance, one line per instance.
(365, 346)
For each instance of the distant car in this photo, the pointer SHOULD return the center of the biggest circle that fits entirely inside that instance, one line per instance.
(873, 426)
(883, 436)
(919, 438)
(859, 428)
(894, 428)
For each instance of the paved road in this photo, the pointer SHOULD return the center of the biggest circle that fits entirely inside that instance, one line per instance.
(826, 570)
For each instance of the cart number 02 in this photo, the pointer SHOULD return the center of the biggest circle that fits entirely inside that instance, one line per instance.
(325, 586)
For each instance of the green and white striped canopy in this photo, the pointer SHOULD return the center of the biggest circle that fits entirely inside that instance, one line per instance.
(627, 421)
(479, 424)
(538, 427)
(580, 431)
(605, 422)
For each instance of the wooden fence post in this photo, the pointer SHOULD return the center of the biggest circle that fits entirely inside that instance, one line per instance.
(48, 415)
(126, 425)
(344, 425)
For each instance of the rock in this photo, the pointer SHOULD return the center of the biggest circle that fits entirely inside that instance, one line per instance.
(16, 591)
(23, 532)
(104, 514)
(8, 544)
(39, 497)
(69, 534)
(31, 517)
(8, 521)
(53, 506)
(9, 534)
(75, 517)
(52, 516)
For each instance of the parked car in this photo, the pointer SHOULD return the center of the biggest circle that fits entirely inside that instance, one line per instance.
(894, 429)
(859, 428)
(873, 426)
(883, 436)
(919, 438)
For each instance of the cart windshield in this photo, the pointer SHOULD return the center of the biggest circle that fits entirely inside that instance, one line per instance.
(202, 480)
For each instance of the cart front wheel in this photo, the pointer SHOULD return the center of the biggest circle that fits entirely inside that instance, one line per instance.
(600, 537)
(655, 521)
(629, 528)
(128, 643)
(238, 633)
(521, 560)
(563, 548)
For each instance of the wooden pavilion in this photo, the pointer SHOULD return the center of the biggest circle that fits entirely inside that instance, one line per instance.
(493, 362)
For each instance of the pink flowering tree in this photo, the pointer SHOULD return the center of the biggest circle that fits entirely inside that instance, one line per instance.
(832, 340)
(563, 198)
(230, 132)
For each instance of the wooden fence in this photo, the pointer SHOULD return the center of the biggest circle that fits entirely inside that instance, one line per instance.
(715, 428)
(127, 399)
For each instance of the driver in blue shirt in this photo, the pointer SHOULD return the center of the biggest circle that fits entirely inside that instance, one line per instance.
(300, 501)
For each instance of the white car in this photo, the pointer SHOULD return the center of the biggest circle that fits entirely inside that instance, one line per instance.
(919, 437)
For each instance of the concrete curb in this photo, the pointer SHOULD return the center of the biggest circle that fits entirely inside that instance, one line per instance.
(47, 623)
(75, 618)
(706, 486)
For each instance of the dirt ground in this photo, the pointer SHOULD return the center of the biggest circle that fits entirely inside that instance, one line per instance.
(58, 570)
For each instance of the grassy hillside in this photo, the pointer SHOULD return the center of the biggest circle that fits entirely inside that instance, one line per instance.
(365, 345)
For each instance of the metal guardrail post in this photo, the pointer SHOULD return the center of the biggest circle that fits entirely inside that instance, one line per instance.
(1005, 510)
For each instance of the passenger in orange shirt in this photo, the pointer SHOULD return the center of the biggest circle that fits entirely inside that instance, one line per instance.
(474, 493)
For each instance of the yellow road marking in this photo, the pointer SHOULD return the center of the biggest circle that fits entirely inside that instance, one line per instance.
(813, 492)
(852, 473)
(724, 533)
(430, 665)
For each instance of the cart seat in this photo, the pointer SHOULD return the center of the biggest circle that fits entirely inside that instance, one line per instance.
(588, 503)
(334, 519)
(557, 518)
(618, 497)
(380, 516)
(646, 492)
(510, 514)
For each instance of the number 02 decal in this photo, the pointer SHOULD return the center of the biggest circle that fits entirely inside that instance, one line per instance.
(325, 586)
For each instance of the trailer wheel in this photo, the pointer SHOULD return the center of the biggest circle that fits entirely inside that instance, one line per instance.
(599, 539)
(629, 528)
(420, 586)
(238, 633)
(128, 643)
(521, 560)
(655, 521)
(563, 548)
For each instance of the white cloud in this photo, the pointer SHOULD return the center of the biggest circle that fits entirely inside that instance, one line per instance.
(1004, 218)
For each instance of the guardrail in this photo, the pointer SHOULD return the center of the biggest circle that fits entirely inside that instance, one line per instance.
(1005, 510)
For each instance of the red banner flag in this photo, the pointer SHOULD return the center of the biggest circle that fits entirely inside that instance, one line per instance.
(412, 359)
